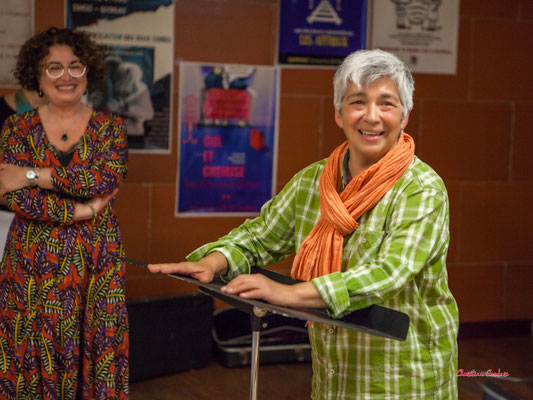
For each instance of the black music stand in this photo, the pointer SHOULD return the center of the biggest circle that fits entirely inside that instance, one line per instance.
(375, 319)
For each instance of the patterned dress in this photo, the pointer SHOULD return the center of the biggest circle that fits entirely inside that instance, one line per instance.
(63, 320)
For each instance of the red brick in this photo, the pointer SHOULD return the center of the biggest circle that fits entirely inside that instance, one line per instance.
(307, 81)
(145, 168)
(449, 86)
(466, 141)
(5, 91)
(526, 11)
(331, 135)
(500, 54)
(299, 126)
(237, 32)
(518, 292)
(49, 13)
(522, 160)
(478, 291)
(490, 8)
(496, 223)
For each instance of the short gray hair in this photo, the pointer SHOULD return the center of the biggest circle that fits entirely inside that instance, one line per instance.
(363, 67)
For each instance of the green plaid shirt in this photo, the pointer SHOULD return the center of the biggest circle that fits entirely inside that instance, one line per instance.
(396, 258)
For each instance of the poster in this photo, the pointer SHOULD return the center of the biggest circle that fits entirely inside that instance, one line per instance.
(423, 33)
(320, 32)
(227, 139)
(139, 66)
(16, 26)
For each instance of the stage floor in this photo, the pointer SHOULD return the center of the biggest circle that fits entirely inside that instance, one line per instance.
(293, 381)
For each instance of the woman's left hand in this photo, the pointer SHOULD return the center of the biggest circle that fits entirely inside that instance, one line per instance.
(12, 177)
(83, 211)
(258, 286)
(100, 202)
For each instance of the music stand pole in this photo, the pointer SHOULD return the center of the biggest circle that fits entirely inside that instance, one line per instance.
(258, 313)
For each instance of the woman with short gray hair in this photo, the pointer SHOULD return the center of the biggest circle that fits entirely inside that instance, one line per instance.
(370, 226)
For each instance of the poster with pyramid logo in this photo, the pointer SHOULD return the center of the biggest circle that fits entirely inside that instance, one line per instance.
(320, 32)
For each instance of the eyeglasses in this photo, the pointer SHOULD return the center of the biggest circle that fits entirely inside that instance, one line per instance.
(76, 69)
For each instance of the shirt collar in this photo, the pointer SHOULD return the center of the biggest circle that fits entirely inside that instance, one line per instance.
(346, 176)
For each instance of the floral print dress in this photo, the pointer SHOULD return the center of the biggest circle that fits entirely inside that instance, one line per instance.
(63, 320)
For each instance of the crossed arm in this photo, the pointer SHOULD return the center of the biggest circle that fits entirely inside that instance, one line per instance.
(52, 196)
(13, 178)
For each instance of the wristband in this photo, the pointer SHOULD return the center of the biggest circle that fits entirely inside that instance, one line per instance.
(92, 209)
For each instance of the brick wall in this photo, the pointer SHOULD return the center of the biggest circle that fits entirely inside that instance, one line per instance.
(473, 128)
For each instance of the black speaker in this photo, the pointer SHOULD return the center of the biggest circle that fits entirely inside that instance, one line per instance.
(170, 334)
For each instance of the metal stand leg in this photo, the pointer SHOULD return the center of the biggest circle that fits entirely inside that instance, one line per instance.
(255, 365)
(256, 334)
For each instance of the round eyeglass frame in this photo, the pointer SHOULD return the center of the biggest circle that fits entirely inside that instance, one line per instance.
(69, 72)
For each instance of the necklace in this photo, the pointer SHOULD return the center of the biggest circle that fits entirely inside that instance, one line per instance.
(64, 136)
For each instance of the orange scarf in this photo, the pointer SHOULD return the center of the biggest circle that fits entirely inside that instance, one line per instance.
(321, 251)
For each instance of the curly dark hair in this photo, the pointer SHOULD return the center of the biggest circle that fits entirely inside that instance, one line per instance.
(36, 49)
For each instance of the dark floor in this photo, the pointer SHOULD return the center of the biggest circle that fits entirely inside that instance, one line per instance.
(513, 354)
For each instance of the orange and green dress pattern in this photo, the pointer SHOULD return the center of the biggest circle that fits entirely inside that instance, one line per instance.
(63, 319)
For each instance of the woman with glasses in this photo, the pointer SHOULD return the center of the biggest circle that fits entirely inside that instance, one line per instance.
(63, 321)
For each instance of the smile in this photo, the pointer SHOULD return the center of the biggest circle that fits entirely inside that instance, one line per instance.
(367, 133)
(66, 88)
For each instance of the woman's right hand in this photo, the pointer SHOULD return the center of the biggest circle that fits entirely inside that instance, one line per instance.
(204, 269)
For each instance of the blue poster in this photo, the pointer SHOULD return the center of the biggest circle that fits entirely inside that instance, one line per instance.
(227, 138)
(320, 32)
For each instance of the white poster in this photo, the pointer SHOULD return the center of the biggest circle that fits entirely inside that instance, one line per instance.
(16, 26)
(139, 67)
(423, 33)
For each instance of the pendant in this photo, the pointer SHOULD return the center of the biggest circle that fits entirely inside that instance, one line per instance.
(64, 138)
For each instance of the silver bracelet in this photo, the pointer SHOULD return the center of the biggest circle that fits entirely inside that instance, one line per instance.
(92, 209)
